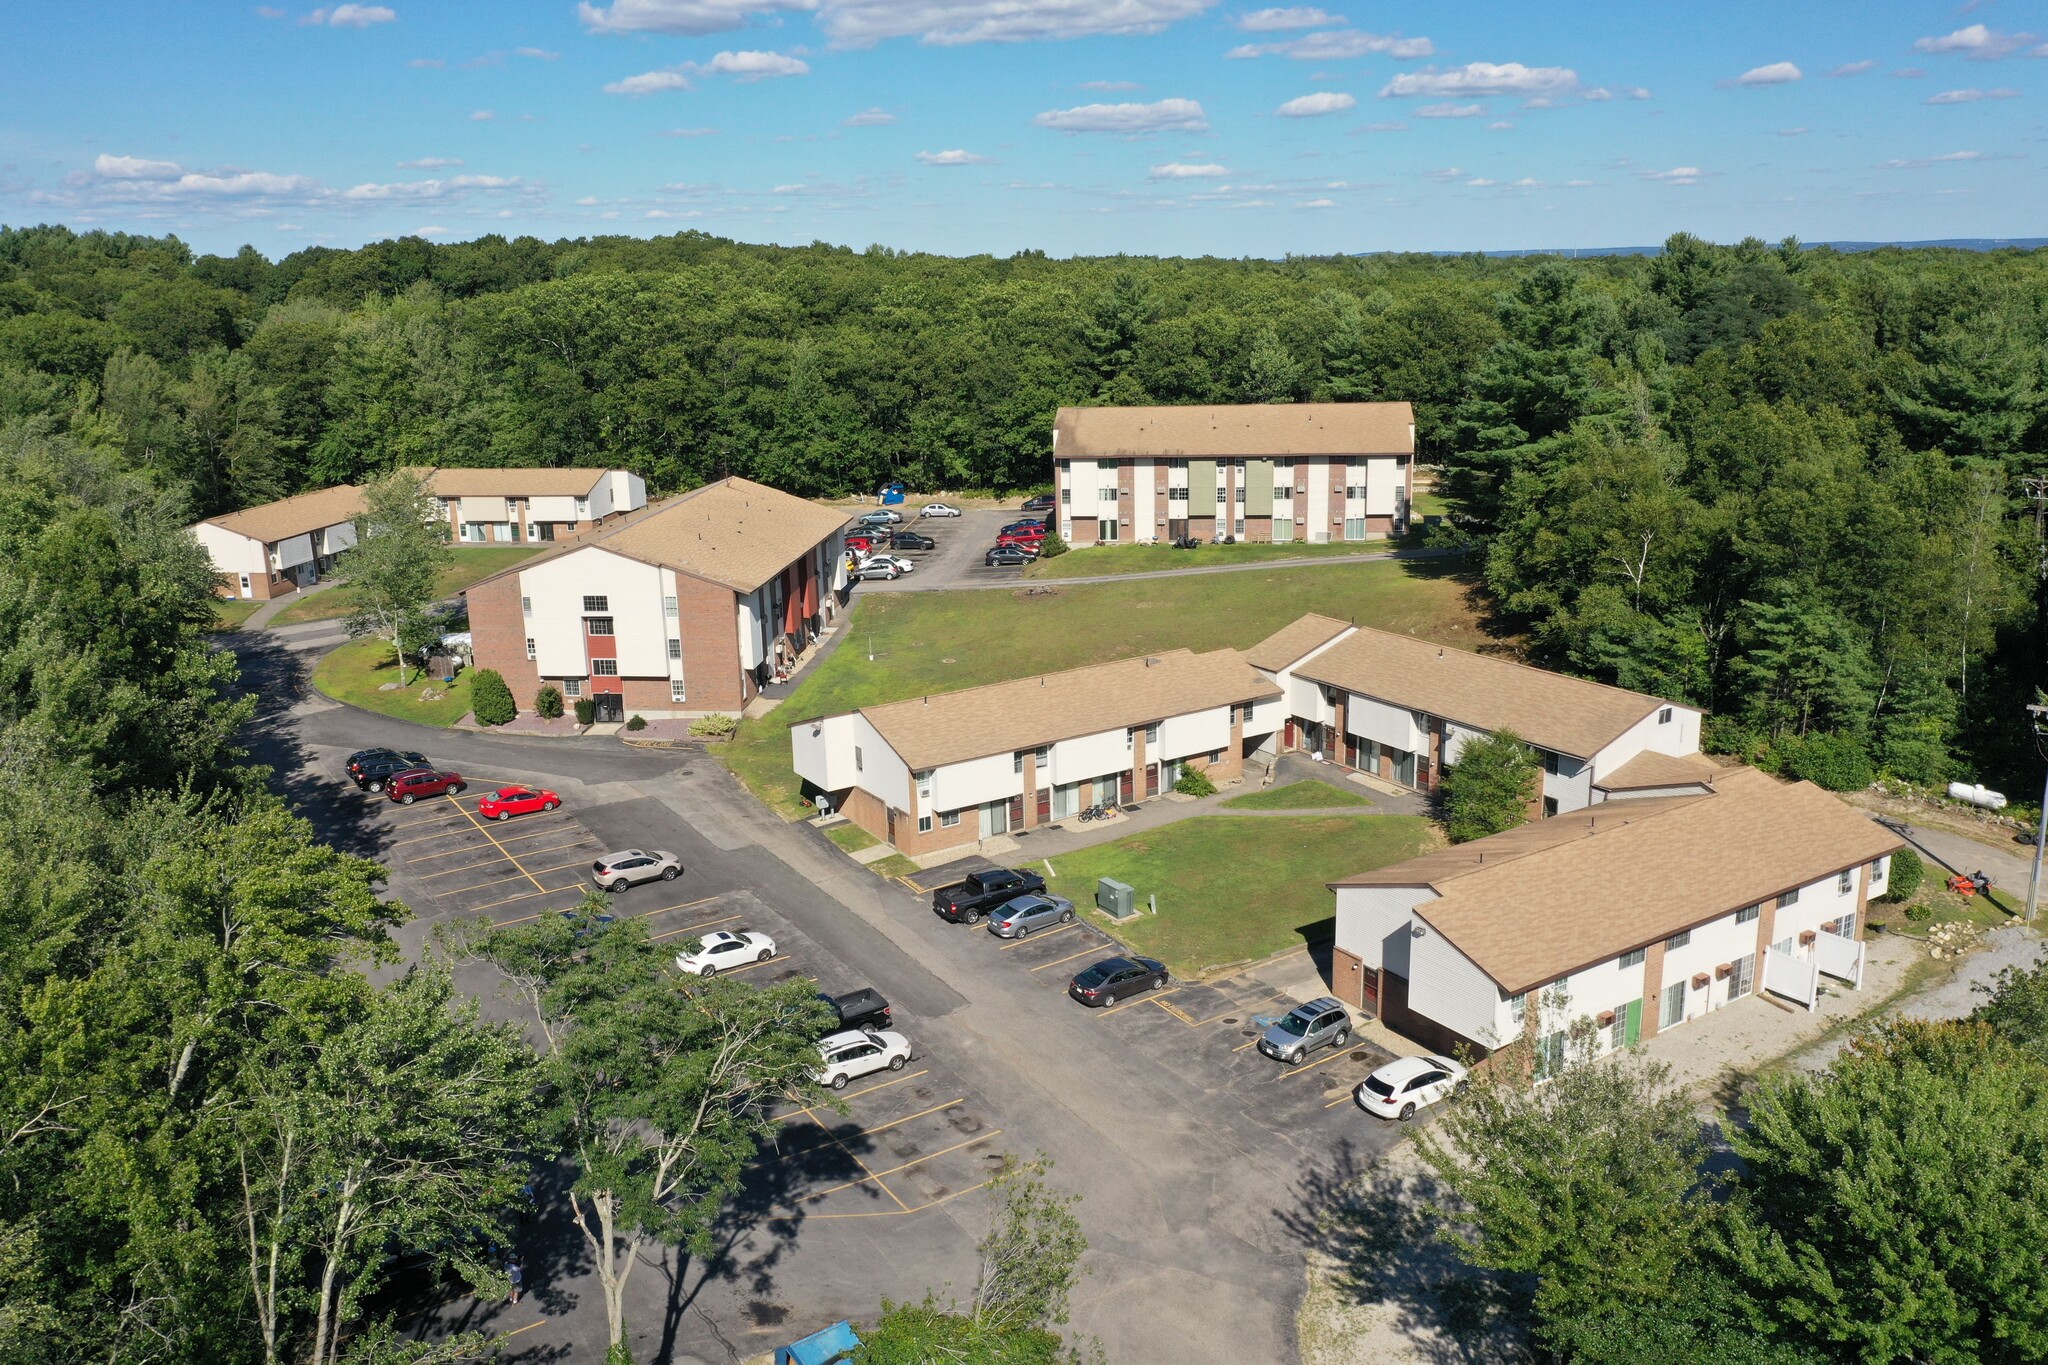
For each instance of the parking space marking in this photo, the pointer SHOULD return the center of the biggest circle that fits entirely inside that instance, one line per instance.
(522, 896)
(852, 1156)
(684, 905)
(485, 831)
(863, 1132)
(892, 1213)
(1094, 948)
(896, 1080)
(876, 1176)
(1034, 938)
(451, 871)
(1350, 1096)
(533, 876)
(691, 928)
(749, 966)
(1147, 998)
(1336, 1055)
(1247, 1010)
(1242, 1046)
(1175, 1010)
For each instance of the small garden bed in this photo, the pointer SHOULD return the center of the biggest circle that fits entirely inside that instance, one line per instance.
(357, 673)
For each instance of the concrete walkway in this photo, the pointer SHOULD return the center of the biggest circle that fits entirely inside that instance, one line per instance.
(262, 616)
(1018, 584)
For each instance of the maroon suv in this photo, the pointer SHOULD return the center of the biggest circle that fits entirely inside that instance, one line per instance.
(407, 787)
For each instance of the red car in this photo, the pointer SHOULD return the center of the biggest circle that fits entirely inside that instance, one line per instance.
(861, 544)
(506, 802)
(408, 787)
(1023, 538)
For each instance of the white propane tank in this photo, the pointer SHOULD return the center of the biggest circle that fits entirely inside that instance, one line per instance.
(1976, 795)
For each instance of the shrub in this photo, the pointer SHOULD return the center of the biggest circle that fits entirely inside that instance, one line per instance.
(716, 727)
(1195, 782)
(1906, 875)
(1052, 547)
(1841, 763)
(638, 722)
(1919, 912)
(489, 699)
(547, 703)
(1490, 787)
(586, 710)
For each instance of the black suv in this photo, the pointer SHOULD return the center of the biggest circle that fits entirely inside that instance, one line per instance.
(864, 1008)
(372, 773)
(911, 540)
(1007, 557)
(1041, 503)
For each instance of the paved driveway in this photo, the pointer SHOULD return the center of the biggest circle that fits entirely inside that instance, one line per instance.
(1199, 1163)
(957, 561)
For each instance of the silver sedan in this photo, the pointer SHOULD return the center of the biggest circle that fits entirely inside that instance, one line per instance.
(617, 871)
(1028, 913)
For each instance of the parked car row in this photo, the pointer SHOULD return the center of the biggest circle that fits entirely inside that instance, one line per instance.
(1017, 543)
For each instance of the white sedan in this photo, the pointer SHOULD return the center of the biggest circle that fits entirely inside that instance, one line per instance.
(1400, 1088)
(720, 951)
(939, 509)
(859, 1052)
(902, 565)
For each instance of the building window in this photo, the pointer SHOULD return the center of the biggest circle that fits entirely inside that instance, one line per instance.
(1178, 493)
(856, 758)
(1106, 466)
(1354, 528)
(924, 785)
(675, 689)
(531, 653)
(1017, 762)
(1240, 493)
(1105, 495)
(675, 649)
(1549, 806)
(1108, 531)
(1790, 898)
(598, 605)
(1674, 1005)
(583, 509)
(598, 625)
(1152, 734)
(950, 820)
(1664, 716)
(526, 606)
(1222, 494)
(1549, 764)
(1877, 868)
(1176, 464)
(604, 668)
(669, 608)
(1130, 737)
(1634, 957)
(1846, 882)
(1066, 495)
(572, 688)
(1240, 524)
(924, 824)
(1043, 753)
(1518, 1007)
(1748, 914)
(1678, 940)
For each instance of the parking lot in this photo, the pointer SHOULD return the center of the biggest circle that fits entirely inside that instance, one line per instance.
(957, 561)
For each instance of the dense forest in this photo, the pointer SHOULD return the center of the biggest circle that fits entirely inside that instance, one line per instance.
(1785, 484)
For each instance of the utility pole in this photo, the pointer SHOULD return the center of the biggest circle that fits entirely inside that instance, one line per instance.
(2040, 716)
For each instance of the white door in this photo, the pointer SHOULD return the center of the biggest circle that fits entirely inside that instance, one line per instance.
(995, 819)
(1066, 800)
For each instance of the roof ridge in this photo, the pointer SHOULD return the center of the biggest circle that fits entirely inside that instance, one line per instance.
(1532, 668)
(1055, 673)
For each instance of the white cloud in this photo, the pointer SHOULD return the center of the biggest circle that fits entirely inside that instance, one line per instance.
(483, 116)
(1777, 73)
(1528, 182)
(756, 66)
(1972, 95)
(649, 83)
(1292, 16)
(947, 23)
(1909, 73)
(1597, 94)
(430, 163)
(1183, 170)
(1500, 127)
(1485, 78)
(453, 187)
(1578, 184)
(1161, 116)
(868, 118)
(690, 18)
(1395, 127)
(539, 54)
(1978, 43)
(351, 16)
(137, 180)
(135, 168)
(1337, 47)
(430, 231)
(1480, 182)
(955, 157)
(1451, 111)
(1448, 173)
(1854, 68)
(1682, 175)
(1317, 204)
(1921, 163)
(1322, 102)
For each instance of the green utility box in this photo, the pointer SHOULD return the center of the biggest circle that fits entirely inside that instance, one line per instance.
(1115, 898)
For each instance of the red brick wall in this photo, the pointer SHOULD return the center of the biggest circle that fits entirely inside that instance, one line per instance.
(498, 636)
(1653, 987)
(708, 616)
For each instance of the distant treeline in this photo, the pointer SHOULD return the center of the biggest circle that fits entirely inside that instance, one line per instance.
(1784, 483)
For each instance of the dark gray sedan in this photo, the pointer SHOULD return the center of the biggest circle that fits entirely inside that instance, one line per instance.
(1027, 913)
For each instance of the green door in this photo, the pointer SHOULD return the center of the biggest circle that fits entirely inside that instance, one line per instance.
(1632, 1026)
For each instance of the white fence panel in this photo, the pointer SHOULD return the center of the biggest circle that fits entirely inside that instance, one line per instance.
(1787, 976)
(1840, 957)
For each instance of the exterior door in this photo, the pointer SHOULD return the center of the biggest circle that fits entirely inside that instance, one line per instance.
(1066, 800)
(892, 824)
(1044, 805)
(1287, 735)
(1126, 788)
(611, 707)
(995, 818)
(1016, 812)
(1632, 1023)
(1151, 779)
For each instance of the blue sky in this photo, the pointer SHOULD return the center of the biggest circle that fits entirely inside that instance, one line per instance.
(1071, 126)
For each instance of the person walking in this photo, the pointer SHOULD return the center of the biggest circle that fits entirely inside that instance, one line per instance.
(517, 1273)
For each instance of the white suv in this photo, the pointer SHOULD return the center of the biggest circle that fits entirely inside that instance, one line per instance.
(860, 1052)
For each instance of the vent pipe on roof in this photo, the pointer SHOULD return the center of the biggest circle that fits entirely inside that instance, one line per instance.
(1439, 651)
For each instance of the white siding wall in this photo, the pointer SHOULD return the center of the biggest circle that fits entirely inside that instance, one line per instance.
(1395, 725)
(1198, 732)
(979, 780)
(1678, 736)
(1083, 481)
(232, 553)
(628, 490)
(1320, 472)
(1722, 940)
(341, 536)
(1448, 987)
(1880, 876)
(1818, 903)
(1571, 784)
(551, 508)
(600, 500)
(822, 752)
(752, 610)
(1456, 736)
(1306, 702)
(1373, 922)
(1383, 487)
(483, 509)
(633, 592)
(291, 553)
(1144, 504)
(1077, 760)
(882, 771)
(1266, 717)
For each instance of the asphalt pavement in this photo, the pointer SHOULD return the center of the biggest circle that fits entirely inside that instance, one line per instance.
(1202, 1166)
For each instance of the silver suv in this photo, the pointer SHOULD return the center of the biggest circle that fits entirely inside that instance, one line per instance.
(1319, 1023)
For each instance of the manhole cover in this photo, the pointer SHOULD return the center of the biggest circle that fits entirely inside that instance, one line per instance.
(1360, 1056)
(1248, 1033)
(1231, 1020)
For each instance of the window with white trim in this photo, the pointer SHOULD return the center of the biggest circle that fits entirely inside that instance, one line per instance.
(675, 689)
(1678, 940)
(924, 785)
(924, 824)
(598, 625)
(604, 668)
(582, 509)
(1152, 733)
(526, 606)
(857, 767)
(1748, 914)
(950, 820)
(1066, 495)
(572, 688)
(675, 649)
(1222, 494)
(1518, 1007)
(1790, 898)
(670, 608)
(1846, 882)
(1240, 493)
(1664, 716)
(1177, 493)
(1634, 957)
(1017, 762)
(1105, 495)
(598, 605)
(531, 652)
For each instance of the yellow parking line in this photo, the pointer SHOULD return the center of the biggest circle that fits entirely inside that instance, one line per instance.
(1175, 1010)
(528, 1328)
(450, 871)
(1094, 948)
(748, 967)
(1336, 1055)
(522, 896)
(876, 1176)
(892, 1213)
(855, 1159)
(533, 877)
(689, 928)
(704, 900)
(865, 1132)
(855, 1094)
(1033, 938)
(1350, 1096)
(1146, 998)
(1242, 1046)
(454, 828)
(483, 830)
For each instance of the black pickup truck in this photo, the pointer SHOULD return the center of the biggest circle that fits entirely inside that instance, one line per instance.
(966, 902)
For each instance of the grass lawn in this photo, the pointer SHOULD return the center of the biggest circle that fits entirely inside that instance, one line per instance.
(1100, 559)
(1307, 794)
(1236, 888)
(230, 612)
(893, 866)
(851, 837)
(356, 672)
(1429, 503)
(471, 563)
(941, 641)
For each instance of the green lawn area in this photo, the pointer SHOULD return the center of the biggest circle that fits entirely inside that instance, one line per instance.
(1307, 794)
(941, 641)
(893, 866)
(356, 672)
(1429, 503)
(851, 837)
(230, 612)
(471, 563)
(1236, 888)
(1107, 559)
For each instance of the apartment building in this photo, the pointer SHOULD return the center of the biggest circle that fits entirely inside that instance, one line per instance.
(1401, 709)
(514, 506)
(954, 768)
(1609, 926)
(681, 609)
(1311, 472)
(283, 546)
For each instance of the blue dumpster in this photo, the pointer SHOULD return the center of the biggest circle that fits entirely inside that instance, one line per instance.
(835, 1344)
(892, 494)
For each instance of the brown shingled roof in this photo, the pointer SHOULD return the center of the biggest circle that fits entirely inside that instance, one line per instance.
(513, 483)
(1293, 640)
(1255, 429)
(1001, 718)
(1651, 769)
(271, 522)
(1545, 899)
(1550, 710)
